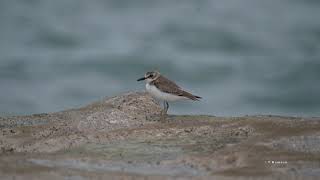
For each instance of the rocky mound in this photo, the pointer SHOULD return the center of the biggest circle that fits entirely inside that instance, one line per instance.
(120, 138)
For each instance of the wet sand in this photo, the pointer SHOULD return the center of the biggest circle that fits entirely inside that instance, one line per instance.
(120, 138)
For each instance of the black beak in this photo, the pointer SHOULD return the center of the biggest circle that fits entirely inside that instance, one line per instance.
(141, 79)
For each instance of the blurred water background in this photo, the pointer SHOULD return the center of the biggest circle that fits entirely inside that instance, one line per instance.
(243, 57)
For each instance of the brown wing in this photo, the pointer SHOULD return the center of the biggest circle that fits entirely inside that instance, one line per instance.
(170, 87)
(166, 85)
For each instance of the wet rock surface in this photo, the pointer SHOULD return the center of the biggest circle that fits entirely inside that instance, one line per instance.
(120, 138)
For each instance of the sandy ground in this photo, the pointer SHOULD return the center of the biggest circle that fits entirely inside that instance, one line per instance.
(120, 138)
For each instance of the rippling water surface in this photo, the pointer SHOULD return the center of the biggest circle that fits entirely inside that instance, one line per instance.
(243, 57)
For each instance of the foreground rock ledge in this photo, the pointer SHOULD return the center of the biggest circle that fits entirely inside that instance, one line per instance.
(118, 138)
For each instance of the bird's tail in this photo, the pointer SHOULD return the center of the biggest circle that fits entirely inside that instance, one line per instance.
(191, 96)
(198, 97)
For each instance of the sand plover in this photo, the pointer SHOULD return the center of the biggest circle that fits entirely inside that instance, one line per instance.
(164, 89)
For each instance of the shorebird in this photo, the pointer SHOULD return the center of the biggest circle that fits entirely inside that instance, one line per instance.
(164, 89)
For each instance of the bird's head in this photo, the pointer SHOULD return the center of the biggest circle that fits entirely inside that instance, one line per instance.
(150, 76)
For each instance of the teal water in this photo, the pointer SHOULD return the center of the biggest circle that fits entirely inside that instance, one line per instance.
(242, 57)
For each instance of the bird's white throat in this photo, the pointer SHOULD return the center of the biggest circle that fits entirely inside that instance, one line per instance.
(158, 94)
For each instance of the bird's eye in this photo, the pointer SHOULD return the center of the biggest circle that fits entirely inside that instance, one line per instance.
(151, 75)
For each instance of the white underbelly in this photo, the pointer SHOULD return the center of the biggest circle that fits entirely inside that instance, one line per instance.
(156, 93)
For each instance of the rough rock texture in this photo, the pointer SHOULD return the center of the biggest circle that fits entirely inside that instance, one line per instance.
(57, 131)
(120, 138)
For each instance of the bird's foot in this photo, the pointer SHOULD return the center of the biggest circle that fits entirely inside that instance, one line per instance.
(164, 117)
(153, 117)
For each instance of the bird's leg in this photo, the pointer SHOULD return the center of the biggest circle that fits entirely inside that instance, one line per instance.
(167, 106)
(165, 110)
